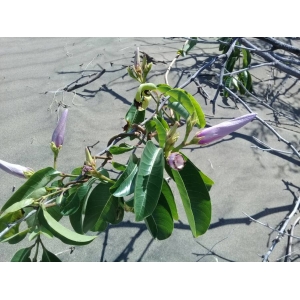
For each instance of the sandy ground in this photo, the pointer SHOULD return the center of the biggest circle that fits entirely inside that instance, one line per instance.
(246, 179)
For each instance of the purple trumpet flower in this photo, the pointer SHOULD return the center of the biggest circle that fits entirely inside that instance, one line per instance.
(13, 169)
(59, 132)
(176, 161)
(217, 132)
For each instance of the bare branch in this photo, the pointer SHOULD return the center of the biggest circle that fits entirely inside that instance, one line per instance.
(280, 45)
(290, 240)
(280, 138)
(277, 239)
(272, 228)
(96, 75)
(268, 57)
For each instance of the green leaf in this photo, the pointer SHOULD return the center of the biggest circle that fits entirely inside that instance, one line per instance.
(161, 131)
(122, 148)
(168, 194)
(188, 46)
(17, 206)
(16, 238)
(126, 182)
(150, 126)
(40, 230)
(224, 47)
(195, 198)
(64, 234)
(100, 206)
(9, 219)
(189, 103)
(39, 179)
(163, 88)
(76, 219)
(230, 63)
(160, 222)
(179, 108)
(246, 58)
(118, 166)
(73, 201)
(49, 256)
(149, 181)
(22, 255)
(134, 116)
(249, 82)
(163, 122)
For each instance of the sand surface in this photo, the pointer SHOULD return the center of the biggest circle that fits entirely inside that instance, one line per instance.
(246, 179)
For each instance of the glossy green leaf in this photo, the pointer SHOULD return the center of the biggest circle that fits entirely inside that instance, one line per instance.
(179, 108)
(149, 181)
(122, 148)
(100, 226)
(163, 88)
(40, 230)
(224, 47)
(101, 205)
(134, 116)
(246, 58)
(64, 234)
(150, 126)
(230, 63)
(49, 256)
(16, 238)
(113, 212)
(160, 222)
(118, 166)
(249, 82)
(73, 201)
(161, 131)
(17, 206)
(189, 103)
(188, 46)
(76, 219)
(163, 122)
(168, 194)
(54, 211)
(126, 182)
(39, 179)
(22, 255)
(195, 198)
(9, 219)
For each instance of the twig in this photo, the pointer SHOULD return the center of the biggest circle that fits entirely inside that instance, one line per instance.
(280, 138)
(280, 45)
(221, 85)
(209, 251)
(268, 148)
(290, 240)
(268, 57)
(274, 229)
(266, 256)
(68, 88)
(249, 68)
(10, 226)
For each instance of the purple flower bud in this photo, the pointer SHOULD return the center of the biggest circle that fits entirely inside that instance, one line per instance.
(176, 161)
(217, 132)
(13, 169)
(59, 132)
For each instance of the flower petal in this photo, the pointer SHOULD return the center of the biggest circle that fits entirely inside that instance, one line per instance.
(216, 132)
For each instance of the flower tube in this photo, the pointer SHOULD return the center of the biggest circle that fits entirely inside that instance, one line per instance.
(59, 132)
(217, 132)
(16, 170)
